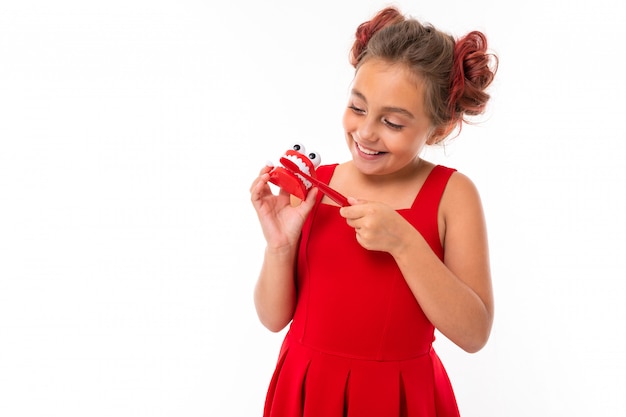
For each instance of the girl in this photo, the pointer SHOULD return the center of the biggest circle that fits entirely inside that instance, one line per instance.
(365, 286)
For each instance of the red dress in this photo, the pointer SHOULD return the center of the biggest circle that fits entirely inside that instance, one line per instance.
(359, 344)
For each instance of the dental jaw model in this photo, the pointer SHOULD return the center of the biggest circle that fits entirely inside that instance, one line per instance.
(290, 181)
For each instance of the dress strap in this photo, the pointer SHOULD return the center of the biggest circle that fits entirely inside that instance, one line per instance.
(424, 213)
(433, 187)
(324, 173)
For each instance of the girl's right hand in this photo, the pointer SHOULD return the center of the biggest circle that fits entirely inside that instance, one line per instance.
(280, 220)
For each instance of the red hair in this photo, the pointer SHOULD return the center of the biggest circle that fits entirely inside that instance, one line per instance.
(366, 30)
(471, 74)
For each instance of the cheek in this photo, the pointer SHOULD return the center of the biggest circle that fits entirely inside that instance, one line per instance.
(348, 121)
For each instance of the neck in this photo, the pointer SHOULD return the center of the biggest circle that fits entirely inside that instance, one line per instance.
(405, 174)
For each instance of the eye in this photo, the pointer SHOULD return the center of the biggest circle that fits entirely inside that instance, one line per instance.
(356, 109)
(392, 125)
(316, 158)
(298, 147)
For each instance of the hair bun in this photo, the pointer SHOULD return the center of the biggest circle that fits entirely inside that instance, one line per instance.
(474, 69)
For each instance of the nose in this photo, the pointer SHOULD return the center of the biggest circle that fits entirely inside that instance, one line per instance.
(366, 131)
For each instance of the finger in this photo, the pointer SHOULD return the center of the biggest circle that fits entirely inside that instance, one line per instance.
(351, 212)
(255, 185)
(267, 168)
(263, 177)
(352, 223)
(260, 187)
(348, 211)
(310, 198)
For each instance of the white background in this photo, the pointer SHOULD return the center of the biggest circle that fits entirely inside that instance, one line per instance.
(131, 130)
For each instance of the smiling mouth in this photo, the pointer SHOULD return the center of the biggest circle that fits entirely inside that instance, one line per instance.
(367, 151)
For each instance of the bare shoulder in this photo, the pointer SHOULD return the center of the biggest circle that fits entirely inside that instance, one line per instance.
(460, 190)
(460, 212)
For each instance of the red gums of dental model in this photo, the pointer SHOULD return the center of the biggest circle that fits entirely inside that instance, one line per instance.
(290, 182)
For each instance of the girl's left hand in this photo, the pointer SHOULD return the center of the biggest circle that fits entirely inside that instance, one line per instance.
(377, 225)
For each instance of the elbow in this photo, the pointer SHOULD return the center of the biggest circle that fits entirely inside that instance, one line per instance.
(474, 346)
(476, 335)
(476, 341)
(478, 338)
(274, 326)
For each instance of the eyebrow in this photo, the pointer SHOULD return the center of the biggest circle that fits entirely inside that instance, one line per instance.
(391, 109)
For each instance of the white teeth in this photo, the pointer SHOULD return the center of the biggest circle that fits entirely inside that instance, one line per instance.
(366, 151)
(298, 161)
(303, 167)
(306, 182)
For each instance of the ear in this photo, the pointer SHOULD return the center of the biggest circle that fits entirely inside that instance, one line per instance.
(440, 133)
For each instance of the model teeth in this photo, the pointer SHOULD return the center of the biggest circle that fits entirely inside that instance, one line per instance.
(298, 161)
(366, 151)
(306, 182)
(303, 167)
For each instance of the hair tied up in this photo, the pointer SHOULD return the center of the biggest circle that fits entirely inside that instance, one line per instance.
(366, 30)
(471, 75)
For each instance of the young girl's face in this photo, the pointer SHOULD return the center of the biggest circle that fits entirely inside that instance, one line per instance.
(385, 122)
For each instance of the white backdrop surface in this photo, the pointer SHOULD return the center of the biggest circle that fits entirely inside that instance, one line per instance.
(131, 130)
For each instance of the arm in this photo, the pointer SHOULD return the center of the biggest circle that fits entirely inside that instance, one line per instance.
(281, 221)
(455, 294)
(275, 291)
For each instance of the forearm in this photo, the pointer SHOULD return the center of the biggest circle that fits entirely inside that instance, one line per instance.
(453, 307)
(275, 292)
